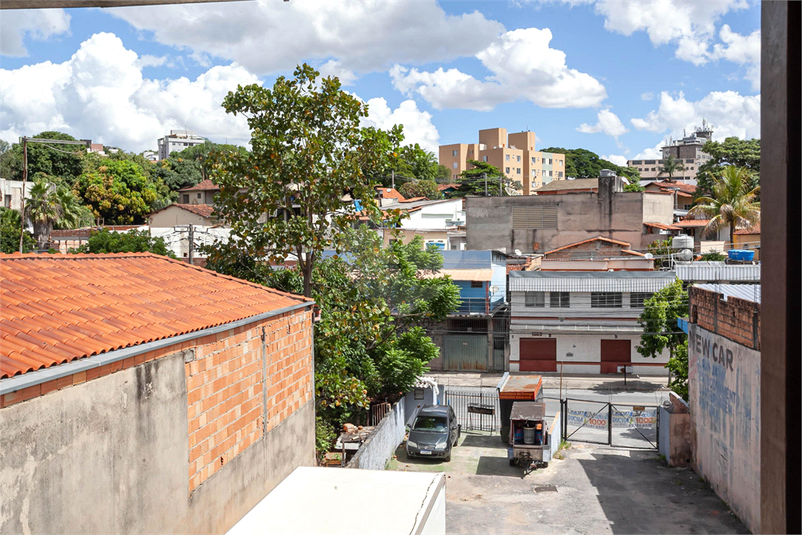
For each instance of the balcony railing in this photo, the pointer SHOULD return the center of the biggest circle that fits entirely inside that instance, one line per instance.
(477, 305)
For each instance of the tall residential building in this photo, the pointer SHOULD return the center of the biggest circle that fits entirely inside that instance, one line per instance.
(514, 154)
(177, 141)
(687, 150)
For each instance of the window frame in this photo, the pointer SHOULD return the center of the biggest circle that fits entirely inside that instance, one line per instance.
(538, 300)
(563, 299)
(606, 300)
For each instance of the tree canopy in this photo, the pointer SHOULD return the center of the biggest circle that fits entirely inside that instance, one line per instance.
(420, 188)
(134, 241)
(61, 161)
(307, 173)
(732, 203)
(582, 163)
(10, 228)
(670, 166)
(730, 152)
(472, 181)
(659, 320)
(191, 165)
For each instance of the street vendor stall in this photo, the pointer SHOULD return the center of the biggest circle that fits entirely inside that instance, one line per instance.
(514, 388)
(529, 438)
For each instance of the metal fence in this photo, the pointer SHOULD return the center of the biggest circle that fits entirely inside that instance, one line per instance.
(477, 408)
(611, 423)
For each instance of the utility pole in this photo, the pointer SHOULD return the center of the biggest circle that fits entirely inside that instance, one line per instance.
(24, 179)
(392, 175)
(485, 177)
(191, 243)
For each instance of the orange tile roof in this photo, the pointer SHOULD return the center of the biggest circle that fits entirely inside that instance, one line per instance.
(203, 210)
(681, 186)
(389, 193)
(59, 308)
(661, 226)
(692, 223)
(204, 185)
(443, 187)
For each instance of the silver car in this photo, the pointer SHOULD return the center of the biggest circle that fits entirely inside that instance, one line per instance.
(433, 433)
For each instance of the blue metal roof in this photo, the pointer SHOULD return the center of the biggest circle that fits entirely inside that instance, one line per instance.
(467, 259)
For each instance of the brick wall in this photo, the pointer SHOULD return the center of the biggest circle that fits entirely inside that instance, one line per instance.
(735, 318)
(225, 388)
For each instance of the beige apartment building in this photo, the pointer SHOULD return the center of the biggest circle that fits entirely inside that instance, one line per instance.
(514, 154)
(687, 150)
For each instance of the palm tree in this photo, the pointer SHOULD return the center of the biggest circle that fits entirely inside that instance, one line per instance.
(732, 204)
(670, 166)
(48, 207)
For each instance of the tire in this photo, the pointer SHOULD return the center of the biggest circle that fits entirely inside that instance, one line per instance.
(512, 461)
(447, 458)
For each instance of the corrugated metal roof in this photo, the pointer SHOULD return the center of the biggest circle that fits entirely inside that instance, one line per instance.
(718, 271)
(483, 275)
(466, 259)
(747, 292)
(575, 329)
(590, 281)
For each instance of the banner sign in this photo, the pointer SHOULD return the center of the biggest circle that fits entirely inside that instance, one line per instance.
(588, 419)
(635, 419)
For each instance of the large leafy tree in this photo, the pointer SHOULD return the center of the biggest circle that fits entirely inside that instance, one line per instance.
(678, 366)
(659, 320)
(472, 180)
(732, 151)
(119, 191)
(63, 162)
(191, 165)
(134, 241)
(670, 167)
(305, 178)
(10, 229)
(732, 204)
(420, 188)
(582, 163)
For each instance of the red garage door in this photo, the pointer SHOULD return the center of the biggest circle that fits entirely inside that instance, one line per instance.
(538, 355)
(615, 353)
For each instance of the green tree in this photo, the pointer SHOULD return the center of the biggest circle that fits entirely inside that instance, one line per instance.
(443, 174)
(191, 165)
(670, 166)
(582, 163)
(10, 228)
(678, 366)
(64, 162)
(420, 188)
(286, 197)
(472, 180)
(634, 187)
(134, 241)
(732, 204)
(49, 205)
(730, 152)
(659, 320)
(119, 192)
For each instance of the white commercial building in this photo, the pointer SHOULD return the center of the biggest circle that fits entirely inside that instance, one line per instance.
(177, 141)
(581, 321)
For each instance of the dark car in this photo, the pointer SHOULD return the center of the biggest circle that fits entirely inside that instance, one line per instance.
(433, 433)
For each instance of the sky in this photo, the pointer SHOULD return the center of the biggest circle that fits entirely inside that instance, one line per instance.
(617, 77)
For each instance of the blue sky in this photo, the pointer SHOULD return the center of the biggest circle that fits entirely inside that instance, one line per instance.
(614, 76)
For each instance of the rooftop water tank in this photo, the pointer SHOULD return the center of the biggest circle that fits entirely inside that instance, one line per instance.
(682, 242)
(741, 254)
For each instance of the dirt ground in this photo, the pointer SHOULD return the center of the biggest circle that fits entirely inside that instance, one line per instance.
(594, 489)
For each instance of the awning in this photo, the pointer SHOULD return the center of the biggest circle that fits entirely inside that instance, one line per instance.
(523, 328)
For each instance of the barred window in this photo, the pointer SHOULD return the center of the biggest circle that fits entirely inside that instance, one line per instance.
(535, 299)
(637, 299)
(559, 300)
(605, 300)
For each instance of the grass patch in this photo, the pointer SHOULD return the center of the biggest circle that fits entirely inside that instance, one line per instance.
(564, 445)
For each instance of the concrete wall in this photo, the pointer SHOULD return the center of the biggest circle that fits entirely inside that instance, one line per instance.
(174, 215)
(172, 443)
(380, 446)
(580, 216)
(675, 432)
(724, 393)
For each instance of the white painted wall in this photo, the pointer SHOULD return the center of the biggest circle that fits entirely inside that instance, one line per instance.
(434, 216)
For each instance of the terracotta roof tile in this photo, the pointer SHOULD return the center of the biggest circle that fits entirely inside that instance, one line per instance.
(203, 210)
(692, 223)
(443, 187)
(660, 226)
(389, 193)
(204, 185)
(59, 308)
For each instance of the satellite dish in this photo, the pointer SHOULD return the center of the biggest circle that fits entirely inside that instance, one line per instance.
(648, 256)
(518, 252)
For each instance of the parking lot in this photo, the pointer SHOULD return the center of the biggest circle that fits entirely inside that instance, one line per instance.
(594, 489)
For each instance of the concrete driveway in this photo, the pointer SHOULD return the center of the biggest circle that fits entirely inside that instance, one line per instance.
(594, 489)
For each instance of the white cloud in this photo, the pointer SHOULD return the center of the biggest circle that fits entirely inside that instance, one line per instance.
(652, 153)
(647, 96)
(333, 68)
(418, 127)
(522, 67)
(730, 113)
(267, 36)
(608, 123)
(146, 60)
(741, 49)
(100, 93)
(38, 24)
(616, 159)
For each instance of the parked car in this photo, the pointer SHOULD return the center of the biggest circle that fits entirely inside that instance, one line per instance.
(433, 433)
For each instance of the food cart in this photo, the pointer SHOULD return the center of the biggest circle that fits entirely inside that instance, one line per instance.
(513, 388)
(529, 439)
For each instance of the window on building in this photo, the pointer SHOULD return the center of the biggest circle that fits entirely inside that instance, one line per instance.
(559, 174)
(519, 158)
(535, 299)
(533, 159)
(559, 300)
(636, 299)
(508, 157)
(455, 165)
(518, 171)
(549, 161)
(605, 299)
(649, 162)
(507, 170)
(454, 153)
(551, 173)
(477, 284)
(689, 160)
(7, 201)
(484, 158)
(199, 195)
(186, 198)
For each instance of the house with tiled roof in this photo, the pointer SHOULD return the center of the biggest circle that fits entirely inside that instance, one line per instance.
(142, 394)
(748, 238)
(201, 193)
(683, 193)
(183, 214)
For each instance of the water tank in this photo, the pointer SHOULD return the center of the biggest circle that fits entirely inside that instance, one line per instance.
(741, 254)
(606, 173)
(682, 242)
(685, 255)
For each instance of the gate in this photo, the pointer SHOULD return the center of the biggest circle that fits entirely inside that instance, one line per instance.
(611, 423)
(477, 408)
(464, 352)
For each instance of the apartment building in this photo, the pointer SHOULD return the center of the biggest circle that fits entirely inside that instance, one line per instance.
(177, 141)
(687, 150)
(514, 154)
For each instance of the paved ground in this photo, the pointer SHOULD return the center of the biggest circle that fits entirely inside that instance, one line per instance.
(594, 489)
